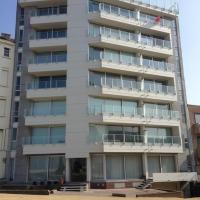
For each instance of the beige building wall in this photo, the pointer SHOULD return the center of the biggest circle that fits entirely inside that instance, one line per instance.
(7, 48)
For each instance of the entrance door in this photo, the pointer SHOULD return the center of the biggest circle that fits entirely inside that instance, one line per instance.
(78, 168)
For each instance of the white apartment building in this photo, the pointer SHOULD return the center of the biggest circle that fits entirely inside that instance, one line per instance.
(7, 47)
(100, 94)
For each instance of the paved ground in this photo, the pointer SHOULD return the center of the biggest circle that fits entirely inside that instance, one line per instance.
(73, 197)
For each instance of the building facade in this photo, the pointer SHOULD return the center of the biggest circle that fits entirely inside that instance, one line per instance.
(99, 92)
(194, 112)
(7, 47)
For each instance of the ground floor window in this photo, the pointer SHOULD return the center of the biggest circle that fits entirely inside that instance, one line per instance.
(117, 167)
(97, 167)
(42, 168)
(161, 164)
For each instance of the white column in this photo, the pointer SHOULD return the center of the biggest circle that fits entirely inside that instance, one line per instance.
(67, 173)
(145, 165)
(104, 167)
(88, 169)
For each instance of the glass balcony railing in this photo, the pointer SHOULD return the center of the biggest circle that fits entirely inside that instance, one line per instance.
(164, 140)
(158, 65)
(137, 86)
(128, 37)
(48, 35)
(122, 58)
(127, 14)
(113, 110)
(34, 140)
(47, 84)
(49, 58)
(49, 11)
(141, 139)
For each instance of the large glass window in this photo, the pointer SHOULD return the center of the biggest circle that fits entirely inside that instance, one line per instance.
(154, 165)
(43, 168)
(197, 118)
(40, 136)
(38, 168)
(58, 107)
(168, 164)
(113, 172)
(56, 169)
(57, 135)
(97, 167)
(133, 167)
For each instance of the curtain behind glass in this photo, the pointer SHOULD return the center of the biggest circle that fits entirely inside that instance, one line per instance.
(153, 165)
(56, 168)
(115, 167)
(97, 167)
(40, 136)
(58, 107)
(38, 168)
(57, 135)
(168, 164)
(41, 108)
(133, 167)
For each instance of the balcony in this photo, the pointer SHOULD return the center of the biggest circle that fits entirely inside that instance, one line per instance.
(149, 68)
(118, 143)
(152, 93)
(154, 5)
(124, 18)
(25, 3)
(45, 90)
(42, 45)
(48, 64)
(58, 20)
(127, 41)
(138, 116)
(43, 145)
(32, 120)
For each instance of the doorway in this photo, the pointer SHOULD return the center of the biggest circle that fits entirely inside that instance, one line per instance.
(78, 169)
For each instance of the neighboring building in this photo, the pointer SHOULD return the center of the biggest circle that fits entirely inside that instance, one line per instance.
(7, 48)
(99, 93)
(194, 112)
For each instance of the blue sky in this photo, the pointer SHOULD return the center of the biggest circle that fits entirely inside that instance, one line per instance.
(190, 36)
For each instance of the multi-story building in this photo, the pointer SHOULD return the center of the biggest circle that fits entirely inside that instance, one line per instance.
(194, 112)
(99, 92)
(7, 47)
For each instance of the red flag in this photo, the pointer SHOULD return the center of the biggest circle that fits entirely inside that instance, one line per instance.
(157, 20)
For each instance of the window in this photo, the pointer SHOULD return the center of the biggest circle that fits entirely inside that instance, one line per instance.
(197, 118)
(19, 58)
(43, 168)
(2, 108)
(97, 167)
(21, 33)
(3, 78)
(113, 172)
(198, 142)
(6, 52)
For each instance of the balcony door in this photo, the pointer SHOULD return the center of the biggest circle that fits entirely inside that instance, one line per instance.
(78, 169)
